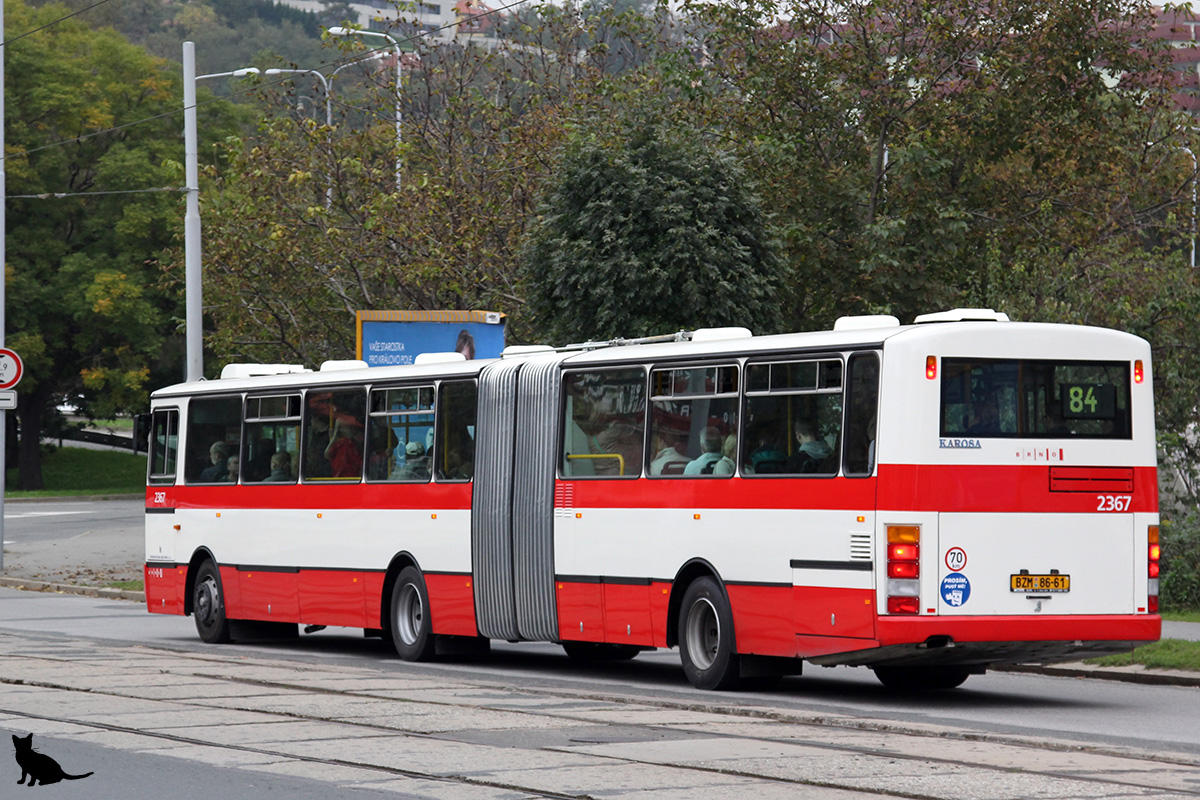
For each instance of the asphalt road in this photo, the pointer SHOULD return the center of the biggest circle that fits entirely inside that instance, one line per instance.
(88, 542)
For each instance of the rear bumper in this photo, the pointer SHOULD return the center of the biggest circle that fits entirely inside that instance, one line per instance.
(984, 641)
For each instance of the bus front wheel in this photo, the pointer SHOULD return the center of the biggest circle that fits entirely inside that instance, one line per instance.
(208, 605)
(411, 623)
(706, 643)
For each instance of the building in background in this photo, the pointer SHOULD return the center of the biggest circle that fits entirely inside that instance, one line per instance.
(441, 20)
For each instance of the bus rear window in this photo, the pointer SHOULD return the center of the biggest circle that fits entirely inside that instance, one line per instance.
(1035, 399)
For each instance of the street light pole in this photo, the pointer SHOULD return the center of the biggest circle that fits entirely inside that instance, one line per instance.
(339, 31)
(192, 271)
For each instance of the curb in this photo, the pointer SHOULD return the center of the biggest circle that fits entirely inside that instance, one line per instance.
(1131, 674)
(66, 588)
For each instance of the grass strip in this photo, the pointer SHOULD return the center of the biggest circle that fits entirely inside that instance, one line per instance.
(74, 471)
(1165, 654)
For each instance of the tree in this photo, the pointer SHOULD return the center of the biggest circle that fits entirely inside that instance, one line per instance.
(84, 308)
(650, 235)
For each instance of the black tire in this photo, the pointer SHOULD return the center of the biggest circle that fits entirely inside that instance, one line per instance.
(922, 679)
(597, 652)
(706, 640)
(411, 624)
(208, 605)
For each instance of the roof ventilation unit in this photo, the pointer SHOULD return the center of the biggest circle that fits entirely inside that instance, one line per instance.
(963, 315)
(717, 334)
(866, 322)
(438, 358)
(230, 371)
(349, 363)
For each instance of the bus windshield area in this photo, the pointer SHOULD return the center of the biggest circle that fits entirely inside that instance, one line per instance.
(1036, 399)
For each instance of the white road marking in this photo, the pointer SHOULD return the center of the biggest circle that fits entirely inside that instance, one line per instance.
(25, 514)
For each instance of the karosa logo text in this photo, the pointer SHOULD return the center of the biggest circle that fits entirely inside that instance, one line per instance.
(969, 444)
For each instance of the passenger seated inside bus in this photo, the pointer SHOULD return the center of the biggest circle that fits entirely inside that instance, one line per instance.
(727, 465)
(281, 467)
(668, 460)
(416, 463)
(232, 466)
(812, 450)
(218, 453)
(767, 456)
(712, 442)
(259, 465)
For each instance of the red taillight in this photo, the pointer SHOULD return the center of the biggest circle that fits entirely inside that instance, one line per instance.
(1139, 374)
(903, 566)
(931, 367)
(904, 605)
(1154, 554)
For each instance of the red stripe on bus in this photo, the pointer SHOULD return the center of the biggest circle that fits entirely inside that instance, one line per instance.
(449, 496)
(901, 487)
(1009, 488)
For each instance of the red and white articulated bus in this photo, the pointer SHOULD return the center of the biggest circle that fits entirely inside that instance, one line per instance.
(924, 500)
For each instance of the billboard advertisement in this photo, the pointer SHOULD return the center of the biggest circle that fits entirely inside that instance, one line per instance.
(388, 338)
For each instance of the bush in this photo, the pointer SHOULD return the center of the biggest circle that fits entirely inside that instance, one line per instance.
(1179, 588)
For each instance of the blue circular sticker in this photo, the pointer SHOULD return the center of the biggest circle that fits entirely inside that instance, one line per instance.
(956, 589)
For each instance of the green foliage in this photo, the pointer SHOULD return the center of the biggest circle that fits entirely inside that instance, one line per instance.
(651, 234)
(1179, 584)
(84, 302)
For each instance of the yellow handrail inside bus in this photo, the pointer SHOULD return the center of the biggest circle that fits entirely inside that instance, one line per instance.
(620, 458)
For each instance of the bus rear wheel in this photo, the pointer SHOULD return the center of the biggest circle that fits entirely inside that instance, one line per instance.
(411, 624)
(208, 605)
(706, 642)
(922, 679)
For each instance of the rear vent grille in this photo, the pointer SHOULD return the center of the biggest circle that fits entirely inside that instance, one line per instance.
(860, 546)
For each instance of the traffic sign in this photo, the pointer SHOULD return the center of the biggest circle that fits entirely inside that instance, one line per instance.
(11, 369)
(8, 399)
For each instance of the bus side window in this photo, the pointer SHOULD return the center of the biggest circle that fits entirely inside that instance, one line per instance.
(862, 408)
(272, 452)
(694, 421)
(604, 423)
(164, 446)
(214, 434)
(336, 424)
(454, 439)
(400, 433)
(794, 418)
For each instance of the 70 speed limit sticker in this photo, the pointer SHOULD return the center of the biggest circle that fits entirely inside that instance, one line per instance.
(956, 559)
